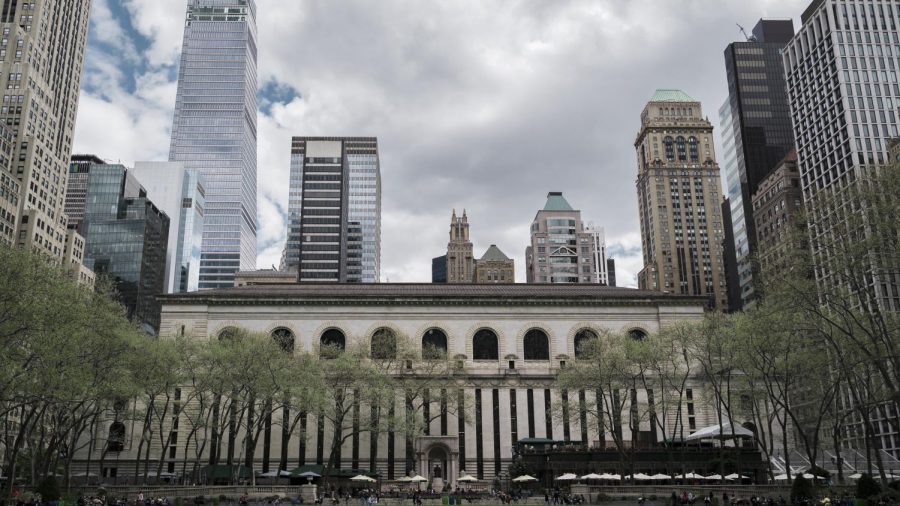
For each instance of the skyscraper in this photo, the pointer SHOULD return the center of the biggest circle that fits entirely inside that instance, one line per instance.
(181, 194)
(334, 210)
(678, 187)
(214, 130)
(41, 63)
(756, 130)
(460, 255)
(125, 240)
(598, 245)
(562, 250)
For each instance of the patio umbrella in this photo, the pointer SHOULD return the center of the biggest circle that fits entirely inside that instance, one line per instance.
(524, 478)
(733, 476)
(690, 476)
(781, 477)
(615, 477)
(567, 477)
(469, 478)
(418, 479)
(592, 476)
(642, 477)
(609, 477)
(855, 476)
(713, 477)
(362, 477)
(660, 477)
(270, 474)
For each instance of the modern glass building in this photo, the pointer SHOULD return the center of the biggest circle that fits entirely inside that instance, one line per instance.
(214, 130)
(181, 194)
(125, 240)
(756, 132)
(334, 210)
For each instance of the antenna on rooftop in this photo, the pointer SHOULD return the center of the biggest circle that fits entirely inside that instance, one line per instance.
(749, 38)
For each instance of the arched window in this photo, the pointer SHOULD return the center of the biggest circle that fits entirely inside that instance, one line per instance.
(332, 342)
(434, 344)
(229, 334)
(284, 338)
(694, 149)
(682, 150)
(384, 344)
(484, 345)
(115, 441)
(670, 149)
(582, 339)
(537, 345)
(637, 334)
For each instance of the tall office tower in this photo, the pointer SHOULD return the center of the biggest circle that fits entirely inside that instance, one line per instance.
(756, 130)
(460, 257)
(561, 249)
(678, 187)
(181, 194)
(777, 206)
(76, 188)
(611, 269)
(125, 240)
(495, 267)
(41, 62)
(439, 269)
(214, 130)
(9, 189)
(842, 76)
(598, 251)
(334, 210)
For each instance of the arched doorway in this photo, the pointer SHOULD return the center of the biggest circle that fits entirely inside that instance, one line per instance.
(438, 465)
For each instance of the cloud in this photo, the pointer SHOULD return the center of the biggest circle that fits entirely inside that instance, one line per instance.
(479, 105)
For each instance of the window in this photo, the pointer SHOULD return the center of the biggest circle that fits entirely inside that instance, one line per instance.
(331, 343)
(582, 340)
(229, 334)
(484, 345)
(692, 147)
(115, 441)
(384, 344)
(682, 151)
(537, 345)
(284, 338)
(670, 151)
(434, 344)
(637, 334)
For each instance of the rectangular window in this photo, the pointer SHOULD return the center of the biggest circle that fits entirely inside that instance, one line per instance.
(513, 417)
(548, 414)
(461, 424)
(495, 395)
(479, 437)
(529, 395)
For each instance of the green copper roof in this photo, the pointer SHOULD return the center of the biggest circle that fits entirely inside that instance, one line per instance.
(556, 202)
(493, 254)
(671, 96)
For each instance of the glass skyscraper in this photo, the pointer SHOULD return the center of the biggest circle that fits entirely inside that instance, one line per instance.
(756, 132)
(214, 130)
(125, 239)
(334, 211)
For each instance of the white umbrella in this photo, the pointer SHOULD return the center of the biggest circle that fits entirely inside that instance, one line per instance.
(469, 478)
(362, 477)
(660, 477)
(407, 479)
(417, 479)
(615, 477)
(567, 477)
(524, 478)
(690, 476)
(610, 477)
(855, 476)
(592, 476)
(642, 477)
(270, 474)
(733, 476)
(713, 477)
(781, 477)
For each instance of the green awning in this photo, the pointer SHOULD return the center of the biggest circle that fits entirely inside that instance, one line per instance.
(224, 471)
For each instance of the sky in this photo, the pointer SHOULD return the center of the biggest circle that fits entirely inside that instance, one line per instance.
(478, 105)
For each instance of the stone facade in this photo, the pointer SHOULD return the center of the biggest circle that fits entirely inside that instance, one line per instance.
(495, 267)
(776, 211)
(460, 259)
(679, 198)
(510, 392)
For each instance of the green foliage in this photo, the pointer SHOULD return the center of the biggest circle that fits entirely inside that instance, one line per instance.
(867, 487)
(801, 490)
(48, 488)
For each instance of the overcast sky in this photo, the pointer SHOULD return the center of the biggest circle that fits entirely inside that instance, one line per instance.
(478, 104)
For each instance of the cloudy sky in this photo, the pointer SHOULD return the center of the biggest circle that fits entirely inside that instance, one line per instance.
(482, 105)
